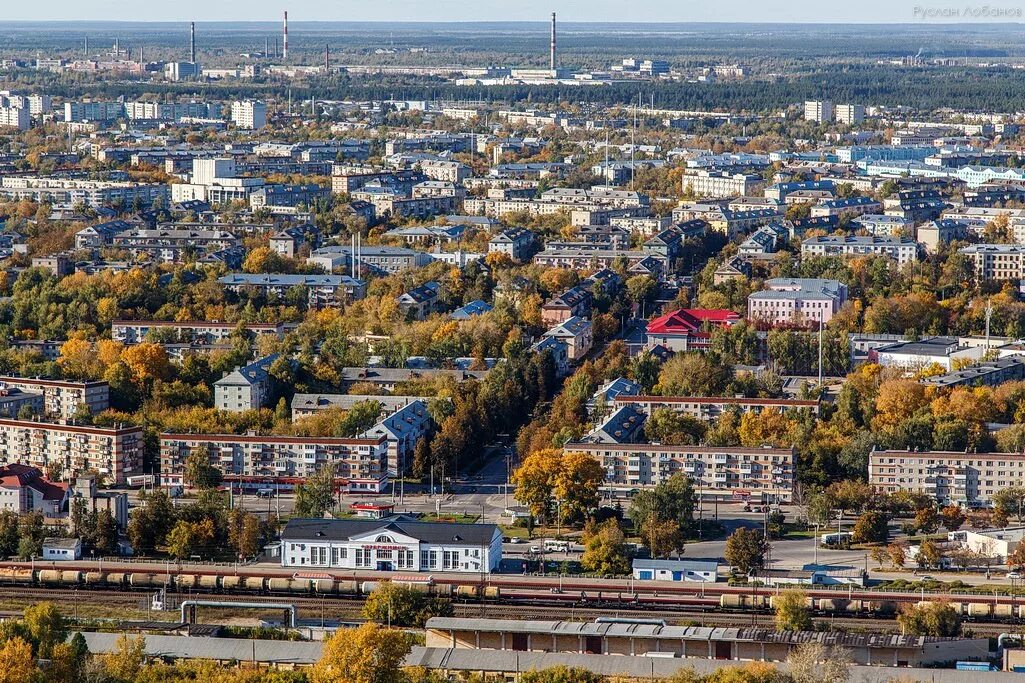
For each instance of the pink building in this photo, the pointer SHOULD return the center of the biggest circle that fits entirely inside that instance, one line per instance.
(796, 301)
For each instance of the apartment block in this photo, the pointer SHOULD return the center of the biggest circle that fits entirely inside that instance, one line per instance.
(850, 113)
(818, 111)
(136, 331)
(61, 399)
(66, 192)
(968, 479)
(997, 261)
(711, 407)
(761, 474)
(362, 463)
(249, 114)
(113, 452)
(800, 301)
(718, 183)
(246, 388)
(900, 249)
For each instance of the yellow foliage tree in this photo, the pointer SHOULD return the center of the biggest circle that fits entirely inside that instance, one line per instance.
(897, 400)
(147, 361)
(16, 663)
(368, 654)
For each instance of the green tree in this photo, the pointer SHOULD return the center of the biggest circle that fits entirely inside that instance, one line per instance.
(938, 619)
(127, 659)
(664, 515)
(871, 527)
(792, 613)
(399, 605)
(605, 551)
(316, 495)
(1011, 502)
(929, 554)
(199, 473)
(745, 549)
(181, 541)
(45, 626)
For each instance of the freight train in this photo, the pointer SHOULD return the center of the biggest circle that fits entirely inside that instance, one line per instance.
(299, 584)
(969, 607)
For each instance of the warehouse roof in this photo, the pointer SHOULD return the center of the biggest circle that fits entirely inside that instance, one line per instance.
(219, 649)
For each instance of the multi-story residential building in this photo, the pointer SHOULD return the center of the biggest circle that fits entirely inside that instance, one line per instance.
(172, 245)
(402, 430)
(988, 373)
(711, 407)
(944, 352)
(288, 241)
(304, 405)
(136, 331)
(112, 452)
(780, 191)
(968, 479)
(445, 170)
(215, 181)
(389, 379)
(321, 290)
(101, 234)
(419, 302)
(880, 224)
(287, 199)
(413, 207)
(575, 301)
(383, 260)
(712, 183)
(796, 301)
(901, 249)
(639, 262)
(66, 192)
(849, 155)
(14, 402)
(19, 118)
(850, 113)
(61, 398)
(625, 424)
(172, 111)
(996, 261)
(249, 114)
(978, 217)
(578, 335)
(935, 234)
(818, 111)
(850, 206)
(246, 388)
(516, 242)
(360, 464)
(93, 111)
(724, 473)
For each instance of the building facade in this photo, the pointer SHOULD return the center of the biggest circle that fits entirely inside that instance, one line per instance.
(114, 453)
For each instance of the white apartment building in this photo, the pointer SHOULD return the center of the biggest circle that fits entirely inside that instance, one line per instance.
(135, 331)
(711, 407)
(61, 398)
(977, 217)
(968, 479)
(402, 429)
(444, 170)
(65, 192)
(249, 114)
(901, 249)
(719, 183)
(115, 453)
(15, 117)
(849, 113)
(360, 464)
(245, 388)
(818, 111)
(761, 474)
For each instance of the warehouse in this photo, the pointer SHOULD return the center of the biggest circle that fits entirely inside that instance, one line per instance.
(655, 639)
(393, 543)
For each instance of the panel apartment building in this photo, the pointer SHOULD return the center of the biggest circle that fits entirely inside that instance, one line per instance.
(968, 479)
(760, 474)
(198, 331)
(61, 398)
(361, 462)
(711, 407)
(114, 453)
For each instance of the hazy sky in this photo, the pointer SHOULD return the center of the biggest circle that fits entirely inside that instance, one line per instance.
(786, 11)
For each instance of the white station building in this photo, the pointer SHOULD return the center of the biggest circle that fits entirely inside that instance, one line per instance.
(397, 543)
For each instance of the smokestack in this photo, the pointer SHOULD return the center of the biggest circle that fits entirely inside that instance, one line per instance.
(87, 47)
(551, 57)
(192, 42)
(327, 58)
(284, 40)
(142, 59)
(266, 47)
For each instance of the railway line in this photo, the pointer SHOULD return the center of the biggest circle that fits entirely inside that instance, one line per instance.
(550, 592)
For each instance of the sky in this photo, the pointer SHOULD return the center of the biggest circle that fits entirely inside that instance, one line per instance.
(779, 11)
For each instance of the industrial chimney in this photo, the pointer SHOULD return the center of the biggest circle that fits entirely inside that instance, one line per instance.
(284, 40)
(192, 42)
(551, 57)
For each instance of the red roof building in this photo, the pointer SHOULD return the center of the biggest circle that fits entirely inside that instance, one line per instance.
(24, 489)
(689, 329)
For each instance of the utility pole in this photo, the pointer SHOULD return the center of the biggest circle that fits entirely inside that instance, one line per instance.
(989, 314)
(820, 352)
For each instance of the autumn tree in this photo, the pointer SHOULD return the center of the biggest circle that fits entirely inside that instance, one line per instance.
(605, 551)
(549, 475)
(664, 515)
(953, 516)
(870, 527)
(126, 660)
(792, 612)
(395, 604)
(367, 654)
(199, 473)
(813, 662)
(929, 554)
(16, 662)
(926, 520)
(746, 549)
(938, 619)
